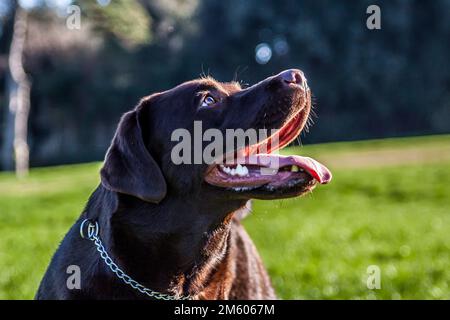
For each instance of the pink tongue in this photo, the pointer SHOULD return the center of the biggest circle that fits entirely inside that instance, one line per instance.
(274, 161)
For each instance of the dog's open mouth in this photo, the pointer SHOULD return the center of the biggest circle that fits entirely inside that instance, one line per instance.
(250, 170)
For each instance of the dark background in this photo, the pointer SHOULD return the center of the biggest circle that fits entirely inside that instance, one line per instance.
(366, 83)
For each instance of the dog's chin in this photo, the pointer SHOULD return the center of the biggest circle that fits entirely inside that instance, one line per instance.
(294, 186)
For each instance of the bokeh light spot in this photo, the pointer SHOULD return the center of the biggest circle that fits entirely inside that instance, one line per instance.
(280, 46)
(263, 53)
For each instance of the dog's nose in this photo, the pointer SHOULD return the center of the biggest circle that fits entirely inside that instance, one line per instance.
(293, 76)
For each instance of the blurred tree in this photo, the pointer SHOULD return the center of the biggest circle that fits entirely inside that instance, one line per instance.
(18, 88)
(127, 20)
(111, 20)
(366, 83)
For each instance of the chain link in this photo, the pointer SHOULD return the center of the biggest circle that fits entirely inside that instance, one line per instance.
(93, 236)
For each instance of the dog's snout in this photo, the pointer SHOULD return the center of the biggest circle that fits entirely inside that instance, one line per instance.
(293, 76)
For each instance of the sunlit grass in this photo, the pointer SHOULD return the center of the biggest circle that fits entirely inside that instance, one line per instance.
(318, 246)
(397, 218)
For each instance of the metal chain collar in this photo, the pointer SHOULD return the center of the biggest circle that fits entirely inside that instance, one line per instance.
(92, 234)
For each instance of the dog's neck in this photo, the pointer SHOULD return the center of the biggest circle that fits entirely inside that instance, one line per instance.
(165, 249)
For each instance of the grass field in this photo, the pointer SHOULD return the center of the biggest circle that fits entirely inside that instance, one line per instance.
(388, 205)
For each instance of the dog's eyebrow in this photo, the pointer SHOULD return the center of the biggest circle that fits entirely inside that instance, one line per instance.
(212, 86)
(226, 88)
(206, 86)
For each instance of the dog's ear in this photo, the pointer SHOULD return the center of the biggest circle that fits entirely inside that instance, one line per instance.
(129, 168)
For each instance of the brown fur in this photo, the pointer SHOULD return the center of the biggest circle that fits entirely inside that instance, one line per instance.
(160, 222)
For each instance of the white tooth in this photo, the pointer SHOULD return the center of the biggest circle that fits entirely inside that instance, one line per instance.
(244, 171)
(233, 172)
(239, 170)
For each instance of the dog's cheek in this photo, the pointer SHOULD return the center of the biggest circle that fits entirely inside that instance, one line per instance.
(182, 178)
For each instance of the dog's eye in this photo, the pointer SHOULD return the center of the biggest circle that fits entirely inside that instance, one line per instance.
(208, 101)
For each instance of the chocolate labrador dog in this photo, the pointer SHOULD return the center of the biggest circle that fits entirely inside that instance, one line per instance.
(157, 229)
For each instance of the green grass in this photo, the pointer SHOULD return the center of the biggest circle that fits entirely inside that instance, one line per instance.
(318, 246)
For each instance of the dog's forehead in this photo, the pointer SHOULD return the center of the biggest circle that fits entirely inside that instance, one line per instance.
(231, 87)
(209, 83)
(194, 86)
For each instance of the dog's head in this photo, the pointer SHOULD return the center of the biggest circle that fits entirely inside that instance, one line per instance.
(170, 142)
